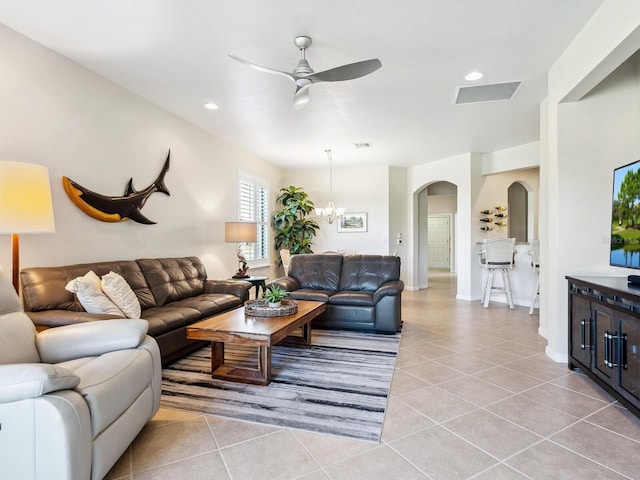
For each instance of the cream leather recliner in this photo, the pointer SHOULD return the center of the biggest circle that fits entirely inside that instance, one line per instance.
(72, 398)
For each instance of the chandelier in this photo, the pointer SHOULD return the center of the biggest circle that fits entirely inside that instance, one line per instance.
(330, 212)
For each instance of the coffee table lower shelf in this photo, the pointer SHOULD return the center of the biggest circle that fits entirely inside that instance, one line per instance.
(264, 332)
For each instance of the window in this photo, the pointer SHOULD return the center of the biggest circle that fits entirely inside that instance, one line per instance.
(253, 206)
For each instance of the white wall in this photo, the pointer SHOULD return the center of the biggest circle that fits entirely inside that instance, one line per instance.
(475, 191)
(80, 125)
(515, 158)
(356, 190)
(463, 172)
(442, 204)
(584, 141)
(494, 191)
(398, 213)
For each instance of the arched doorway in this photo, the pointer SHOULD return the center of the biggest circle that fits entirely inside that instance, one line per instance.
(437, 209)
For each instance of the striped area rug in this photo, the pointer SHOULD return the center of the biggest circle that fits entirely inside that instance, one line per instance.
(338, 386)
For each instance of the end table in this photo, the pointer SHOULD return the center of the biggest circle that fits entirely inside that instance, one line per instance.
(256, 281)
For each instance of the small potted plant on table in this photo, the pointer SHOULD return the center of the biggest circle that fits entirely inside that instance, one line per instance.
(274, 295)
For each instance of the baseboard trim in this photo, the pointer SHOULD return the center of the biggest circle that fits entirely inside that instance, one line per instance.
(543, 333)
(467, 298)
(559, 357)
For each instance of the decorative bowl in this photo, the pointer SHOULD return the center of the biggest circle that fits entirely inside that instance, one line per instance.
(260, 308)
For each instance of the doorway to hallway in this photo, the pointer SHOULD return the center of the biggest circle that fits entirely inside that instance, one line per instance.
(439, 241)
(436, 230)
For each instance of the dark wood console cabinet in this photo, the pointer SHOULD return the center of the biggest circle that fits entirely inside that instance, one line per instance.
(604, 335)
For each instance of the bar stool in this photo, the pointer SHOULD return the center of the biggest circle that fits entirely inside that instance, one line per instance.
(534, 251)
(498, 257)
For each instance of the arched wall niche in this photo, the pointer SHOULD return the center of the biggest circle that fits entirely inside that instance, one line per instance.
(521, 202)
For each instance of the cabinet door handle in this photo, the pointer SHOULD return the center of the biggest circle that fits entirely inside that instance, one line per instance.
(583, 334)
(624, 363)
(611, 357)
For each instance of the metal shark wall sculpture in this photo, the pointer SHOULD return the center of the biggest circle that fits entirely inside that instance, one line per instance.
(116, 209)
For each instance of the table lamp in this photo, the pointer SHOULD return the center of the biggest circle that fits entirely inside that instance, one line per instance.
(25, 205)
(241, 232)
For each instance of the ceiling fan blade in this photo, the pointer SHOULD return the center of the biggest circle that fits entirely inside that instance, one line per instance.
(263, 69)
(301, 97)
(346, 72)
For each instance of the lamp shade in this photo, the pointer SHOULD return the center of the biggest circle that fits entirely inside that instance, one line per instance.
(25, 198)
(238, 232)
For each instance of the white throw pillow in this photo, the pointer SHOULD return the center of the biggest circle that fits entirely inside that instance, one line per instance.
(88, 289)
(120, 293)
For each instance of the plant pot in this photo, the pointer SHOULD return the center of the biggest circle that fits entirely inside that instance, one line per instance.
(275, 304)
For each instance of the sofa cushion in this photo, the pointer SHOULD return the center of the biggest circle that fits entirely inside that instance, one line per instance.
(352, 298)
(368, 272)
(167, 318)
(208, 304)
(316, 272)
(309, 294)
(43, 287)
(172, 279)
(88, 290)
(120, 293)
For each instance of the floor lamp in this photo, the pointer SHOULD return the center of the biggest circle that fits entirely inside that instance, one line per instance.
(25, 205)
(240, 232)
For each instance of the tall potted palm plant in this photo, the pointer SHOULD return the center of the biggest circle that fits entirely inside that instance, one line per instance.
(293, 229)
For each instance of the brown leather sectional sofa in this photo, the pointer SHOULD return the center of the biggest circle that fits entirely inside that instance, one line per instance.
(362, 292)
(173, 294)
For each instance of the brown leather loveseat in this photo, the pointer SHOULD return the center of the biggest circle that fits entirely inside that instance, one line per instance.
(173, 293)
(362, 292)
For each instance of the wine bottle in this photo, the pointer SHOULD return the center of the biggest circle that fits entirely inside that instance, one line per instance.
(486, 229)
(487, 219)
(501, 224)
(501, 215)
(486, 212)
(502, 208)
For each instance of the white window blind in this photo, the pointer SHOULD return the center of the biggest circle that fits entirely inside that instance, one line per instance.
(253, 206)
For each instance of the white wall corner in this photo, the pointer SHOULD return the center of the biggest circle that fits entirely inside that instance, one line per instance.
(559, 357)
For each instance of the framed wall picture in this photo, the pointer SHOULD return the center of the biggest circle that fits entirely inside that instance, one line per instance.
(352, 222)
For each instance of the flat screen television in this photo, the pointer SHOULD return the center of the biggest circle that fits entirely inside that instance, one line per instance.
(625, 217)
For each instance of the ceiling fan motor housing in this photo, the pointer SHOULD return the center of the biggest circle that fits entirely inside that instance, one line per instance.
(303, 68)
(302, 42)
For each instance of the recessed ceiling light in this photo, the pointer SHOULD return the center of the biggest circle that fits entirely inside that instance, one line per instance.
(473, 76)
(211, 106)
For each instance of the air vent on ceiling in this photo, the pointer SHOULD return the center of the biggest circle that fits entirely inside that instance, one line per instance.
(486, 93)
(362, 145)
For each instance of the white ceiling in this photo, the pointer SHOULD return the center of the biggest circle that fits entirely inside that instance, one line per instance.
(175, 53)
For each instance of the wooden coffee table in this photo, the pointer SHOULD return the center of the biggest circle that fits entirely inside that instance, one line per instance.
(263, 332)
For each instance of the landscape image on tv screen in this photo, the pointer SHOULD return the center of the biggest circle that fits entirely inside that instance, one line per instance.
(625, 217)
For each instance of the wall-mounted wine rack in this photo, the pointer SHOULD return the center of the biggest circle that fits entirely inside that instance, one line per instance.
(500, 214)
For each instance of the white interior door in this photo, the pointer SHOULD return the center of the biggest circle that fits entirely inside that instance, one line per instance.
(439, 241)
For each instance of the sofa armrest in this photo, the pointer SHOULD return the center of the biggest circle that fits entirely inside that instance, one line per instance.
(288, 283)
(388, 289)
(89, 339)
(57, 318)
(21, 381)
(233, 287)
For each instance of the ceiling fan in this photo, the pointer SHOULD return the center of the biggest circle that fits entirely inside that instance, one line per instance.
(303, 75)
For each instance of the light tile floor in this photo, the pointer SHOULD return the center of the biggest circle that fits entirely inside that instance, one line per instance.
(473, 396)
